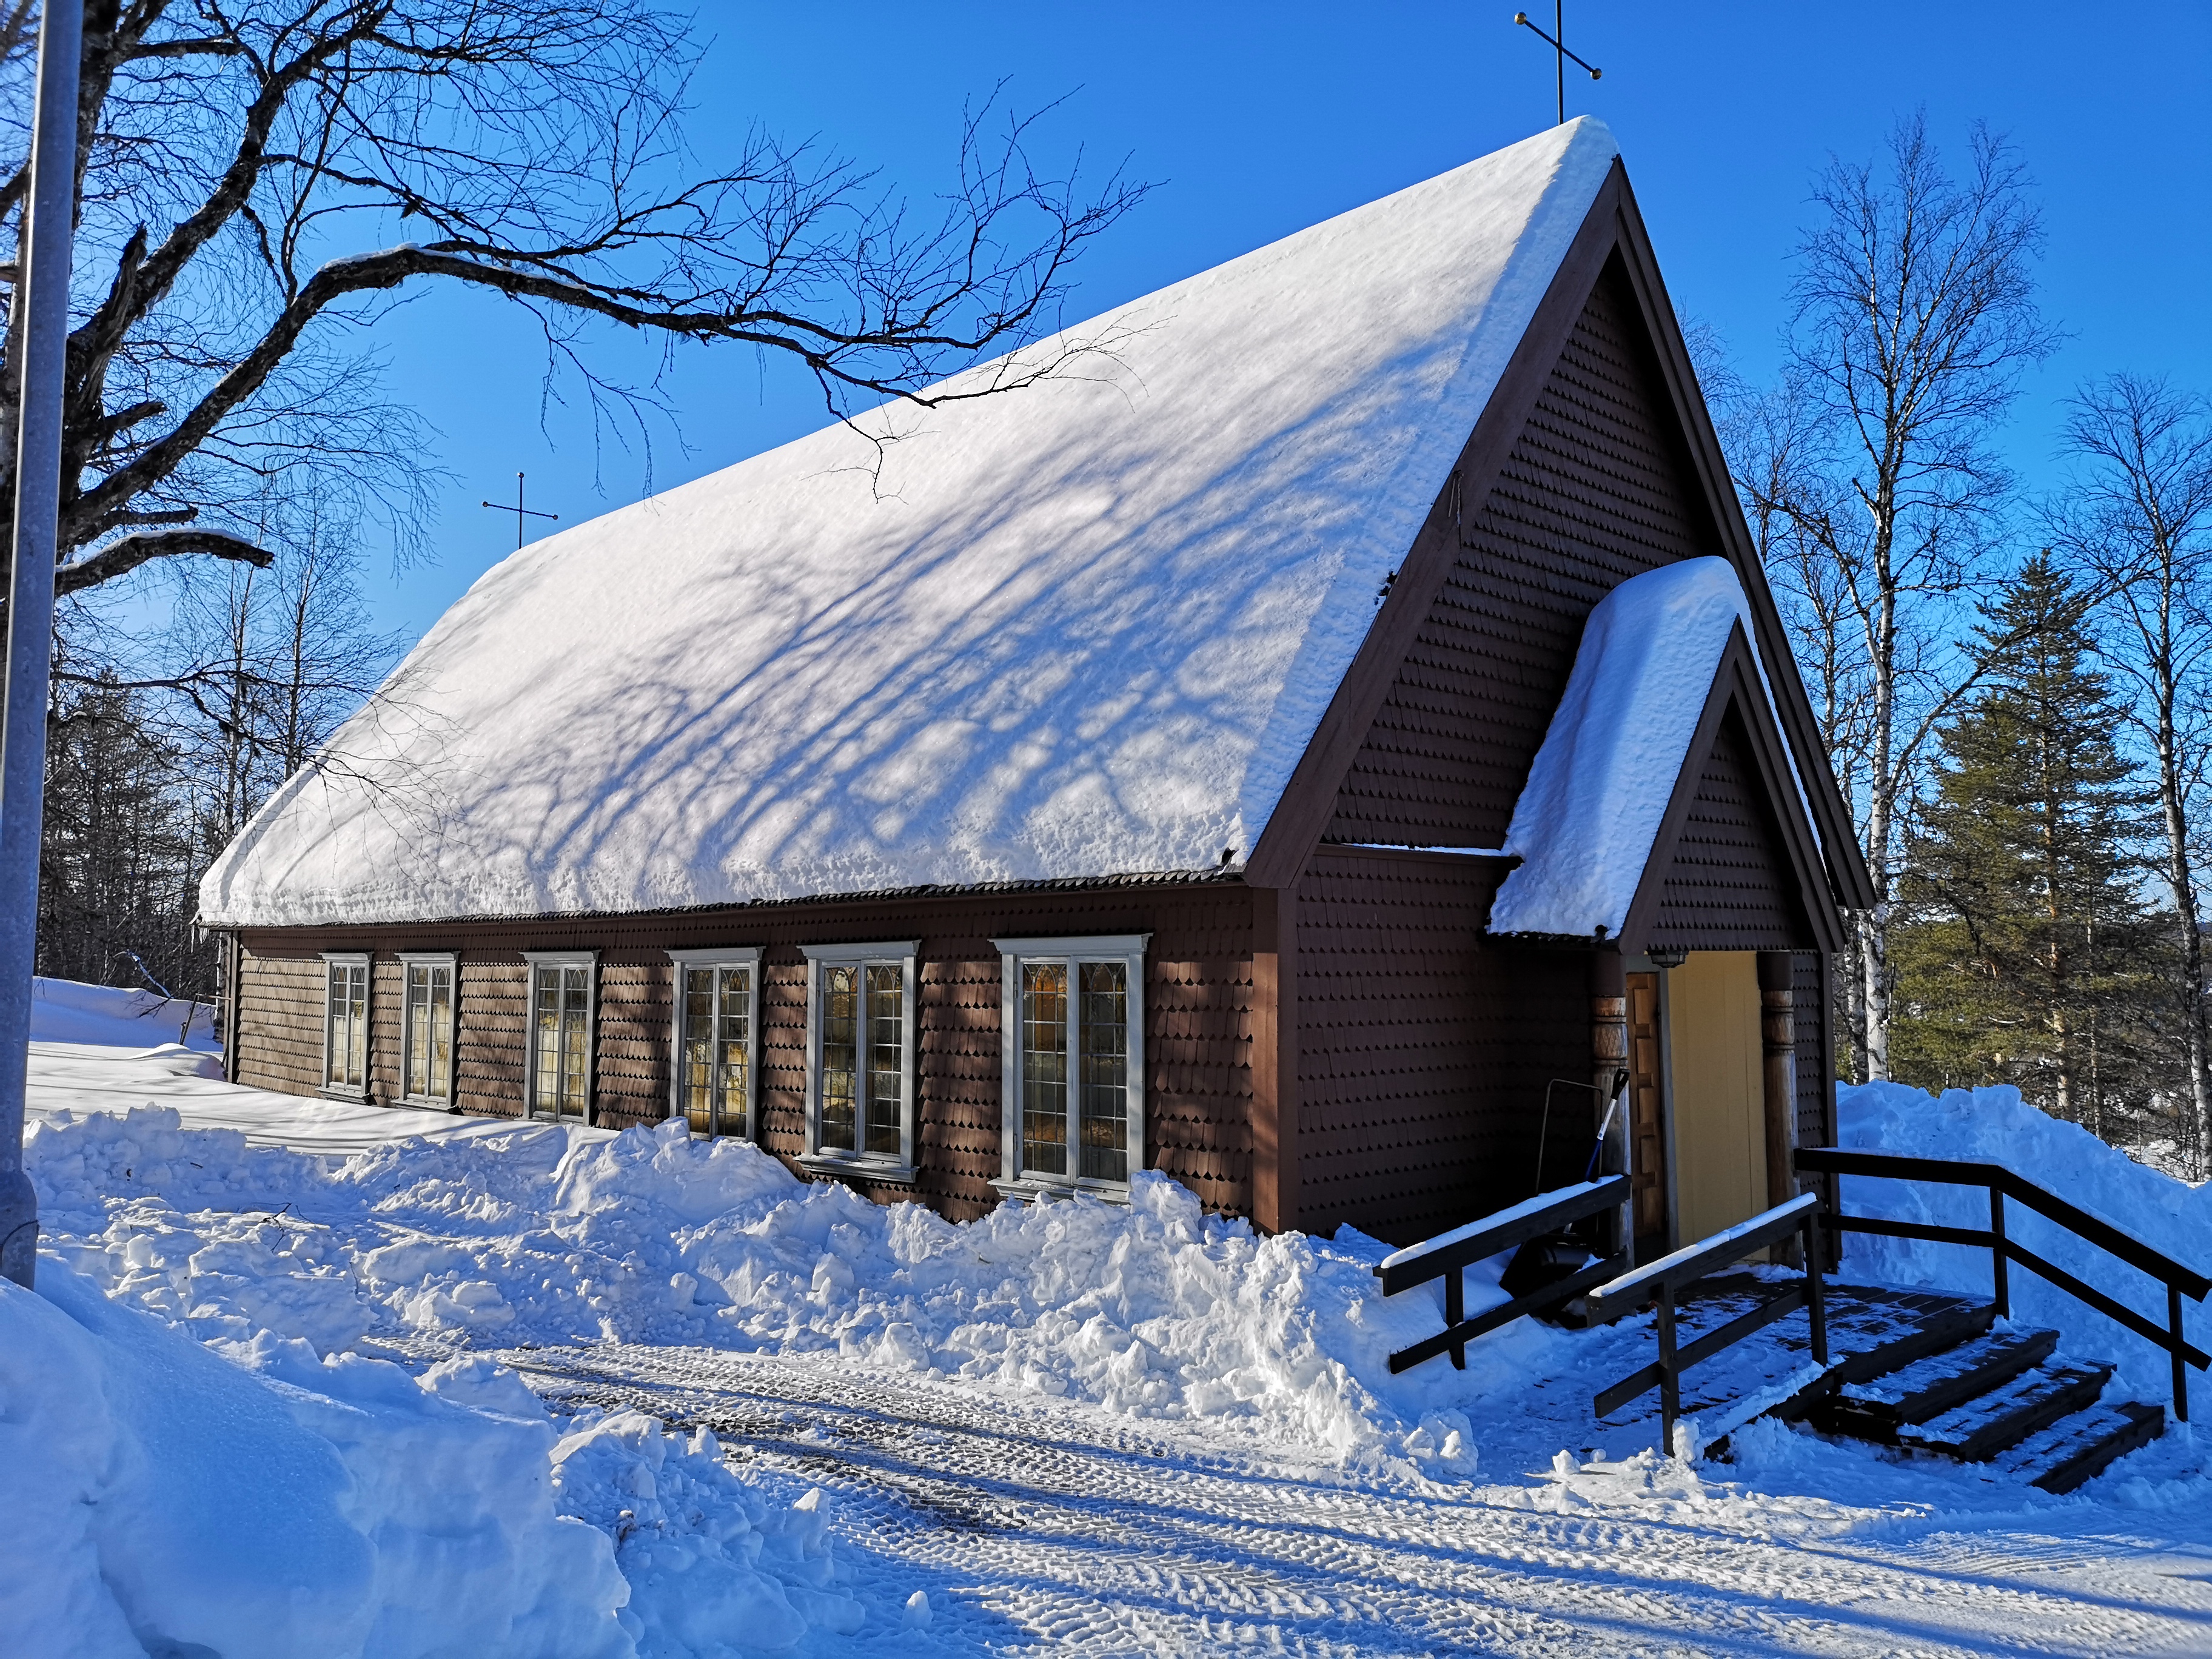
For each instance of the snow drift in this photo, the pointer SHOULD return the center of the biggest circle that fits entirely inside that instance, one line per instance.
(69, 1011)
(540, 1237)
(1996, 1126)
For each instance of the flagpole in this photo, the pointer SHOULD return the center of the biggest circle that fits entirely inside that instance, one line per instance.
(42, 289)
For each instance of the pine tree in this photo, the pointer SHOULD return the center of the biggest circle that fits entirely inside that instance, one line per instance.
(2023, 948)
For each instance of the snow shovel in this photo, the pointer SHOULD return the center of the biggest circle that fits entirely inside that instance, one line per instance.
(1551, 1257)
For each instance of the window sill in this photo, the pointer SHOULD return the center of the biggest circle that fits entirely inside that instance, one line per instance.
(850, 1166)
(426, 1103)
(350, 1096)
(1044, 1189)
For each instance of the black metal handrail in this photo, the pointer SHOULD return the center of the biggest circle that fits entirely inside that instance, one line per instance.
(1448, 1256)
(2003, 1183)
(1659, 1281)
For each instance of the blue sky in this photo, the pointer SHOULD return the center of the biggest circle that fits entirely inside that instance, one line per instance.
(1256, 120)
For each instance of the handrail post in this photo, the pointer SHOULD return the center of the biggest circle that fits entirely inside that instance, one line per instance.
(2180, 1366)
(1670, 1387)
(1816, 1303)
(2000, 1268)
(1455, 1312)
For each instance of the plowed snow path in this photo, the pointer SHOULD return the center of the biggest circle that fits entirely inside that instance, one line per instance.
(1063, 1529)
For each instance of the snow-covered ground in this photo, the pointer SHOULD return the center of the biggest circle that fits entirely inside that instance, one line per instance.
(1076, 1428)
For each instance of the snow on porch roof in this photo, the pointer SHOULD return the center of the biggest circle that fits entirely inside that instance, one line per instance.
(1587, 819)
(1083, 629)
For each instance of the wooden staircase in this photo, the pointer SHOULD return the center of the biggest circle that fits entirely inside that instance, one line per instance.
(2002, 1396)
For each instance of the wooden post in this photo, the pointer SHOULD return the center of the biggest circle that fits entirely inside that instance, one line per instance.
(2180, 1364)
(1455, 1312)
(2000, 1265)
(1608, 992)
(1777, 1034)
(1670, 1385)
(1274, 1058)
(1816, 1299)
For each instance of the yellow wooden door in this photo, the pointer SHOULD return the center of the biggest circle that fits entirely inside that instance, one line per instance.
(1719, 1091)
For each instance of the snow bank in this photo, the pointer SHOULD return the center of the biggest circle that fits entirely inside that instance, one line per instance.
(161, 1499)
(540, 1237)
(164, 1500)
(1996, 1126)
(1585, 821)
(1086, 628)
(69, 1011)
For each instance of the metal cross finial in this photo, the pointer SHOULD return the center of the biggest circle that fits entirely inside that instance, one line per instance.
(1558, 42)
(520, 512)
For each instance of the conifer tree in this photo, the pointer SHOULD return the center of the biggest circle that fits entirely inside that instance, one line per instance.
(2026, 921)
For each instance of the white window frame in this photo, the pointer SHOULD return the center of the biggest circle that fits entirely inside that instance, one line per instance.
(451, 961)
(1128, 949)
(589, 961)
(360, 959)
(874, 1166)
(748, 957)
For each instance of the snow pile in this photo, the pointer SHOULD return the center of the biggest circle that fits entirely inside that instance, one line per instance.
(1996, 1126)
(1086, 628)
(540, 1237)
(1586, 820)
(163, 1500)
(69, 1011)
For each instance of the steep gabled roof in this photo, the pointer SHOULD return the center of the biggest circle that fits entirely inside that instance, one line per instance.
(1085, 630)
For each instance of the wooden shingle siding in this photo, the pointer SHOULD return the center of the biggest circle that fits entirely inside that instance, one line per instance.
(1596, 491)
(280, 1020)
(1423, 1048)
(488, 1057)
(1814, 1014)
(1198, 1016)
(1729, 886)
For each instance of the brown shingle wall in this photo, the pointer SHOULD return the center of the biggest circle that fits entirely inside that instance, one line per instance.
(1197, 1016)
(279, 1019)
(1810, 1010)
(1593, 493)
(1423, 1049)
(1729, 886)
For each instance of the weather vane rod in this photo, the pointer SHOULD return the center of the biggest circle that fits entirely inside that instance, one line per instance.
(521, 512)
(1558, 42)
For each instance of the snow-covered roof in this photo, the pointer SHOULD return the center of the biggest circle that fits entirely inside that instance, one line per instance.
(1083, 629)
(1587, 819)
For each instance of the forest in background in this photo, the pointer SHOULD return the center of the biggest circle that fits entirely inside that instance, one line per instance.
(2014, 686)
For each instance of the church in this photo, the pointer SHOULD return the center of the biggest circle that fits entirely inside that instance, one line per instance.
(1336, 706)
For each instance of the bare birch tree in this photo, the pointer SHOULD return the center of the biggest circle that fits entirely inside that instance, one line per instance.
(258, 183)
(2138, 517)
(1915, 316)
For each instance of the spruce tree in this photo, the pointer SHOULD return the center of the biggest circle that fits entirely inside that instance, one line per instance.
(2024, 921)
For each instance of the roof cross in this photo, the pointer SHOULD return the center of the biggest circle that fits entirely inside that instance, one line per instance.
(520, 512)
(1558, 41)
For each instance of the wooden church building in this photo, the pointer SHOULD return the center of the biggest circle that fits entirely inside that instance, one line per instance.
(1339, 700)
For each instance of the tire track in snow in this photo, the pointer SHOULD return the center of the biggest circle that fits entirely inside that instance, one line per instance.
(1046, 1527)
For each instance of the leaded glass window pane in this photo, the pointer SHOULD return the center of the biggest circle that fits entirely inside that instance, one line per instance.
(1044, 1067)
(545, 997)
(698, 1057)
(886, 1057)
(441, 1033)
(1105, 1104)
(841, 1060)
(733, 1050)
(575, 1038)
(348, 1024)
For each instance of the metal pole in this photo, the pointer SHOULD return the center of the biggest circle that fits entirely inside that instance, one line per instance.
(43, 292)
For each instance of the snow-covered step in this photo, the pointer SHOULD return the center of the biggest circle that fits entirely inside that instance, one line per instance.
(1877, 1409)
(2080, 1447)
(2005, 1416)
